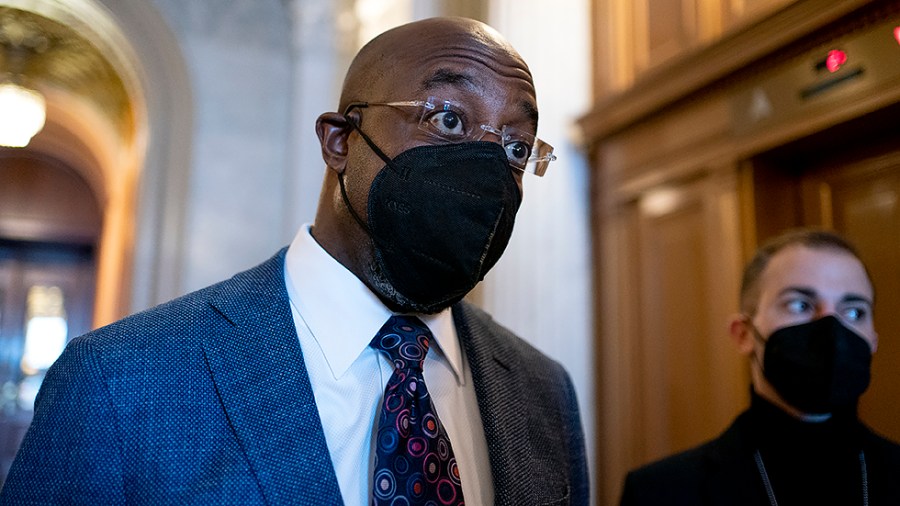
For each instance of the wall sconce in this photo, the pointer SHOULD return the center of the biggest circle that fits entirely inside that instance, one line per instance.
(22, 114)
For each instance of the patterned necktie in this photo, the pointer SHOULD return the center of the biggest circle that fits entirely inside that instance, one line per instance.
(413, 457)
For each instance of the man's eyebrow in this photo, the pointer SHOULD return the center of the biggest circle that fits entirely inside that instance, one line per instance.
(532, 113)
(802, 290)
(809, 292)
(445, 76)
(853, 297)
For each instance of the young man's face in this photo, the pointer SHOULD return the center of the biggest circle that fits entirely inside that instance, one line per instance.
(802, 284)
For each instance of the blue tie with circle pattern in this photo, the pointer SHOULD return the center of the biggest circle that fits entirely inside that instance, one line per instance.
(413, 457)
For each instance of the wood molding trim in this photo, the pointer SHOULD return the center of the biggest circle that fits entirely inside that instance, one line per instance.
(702, 67)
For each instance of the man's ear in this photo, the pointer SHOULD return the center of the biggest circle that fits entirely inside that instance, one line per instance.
(333, 131)
(739, 327)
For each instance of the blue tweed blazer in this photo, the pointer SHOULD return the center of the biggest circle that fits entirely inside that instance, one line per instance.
(206, 400)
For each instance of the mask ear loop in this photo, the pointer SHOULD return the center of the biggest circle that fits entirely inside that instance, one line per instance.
(346, 199)
(344, 196)
(375, 149)
(759, 338)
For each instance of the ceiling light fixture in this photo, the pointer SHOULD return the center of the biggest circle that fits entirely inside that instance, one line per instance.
(22, 114)
(23, 109)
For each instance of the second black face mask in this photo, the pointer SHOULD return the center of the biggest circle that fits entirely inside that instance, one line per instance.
(440, 216)
(818, 367)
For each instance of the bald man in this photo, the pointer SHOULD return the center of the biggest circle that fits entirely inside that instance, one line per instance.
(346, 369)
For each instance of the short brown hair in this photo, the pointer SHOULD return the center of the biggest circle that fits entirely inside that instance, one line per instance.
(810, 238)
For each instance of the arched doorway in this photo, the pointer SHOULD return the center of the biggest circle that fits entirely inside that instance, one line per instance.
(69, 199)
(50, 224)
(94, 122)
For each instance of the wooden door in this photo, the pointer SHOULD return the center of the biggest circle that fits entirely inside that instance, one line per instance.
(861, 199)
(691, 379)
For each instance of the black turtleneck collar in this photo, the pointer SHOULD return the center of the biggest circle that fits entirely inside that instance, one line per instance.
(808, 462)
(773, 426)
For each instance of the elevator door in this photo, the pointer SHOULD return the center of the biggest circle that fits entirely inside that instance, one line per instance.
(861, 199)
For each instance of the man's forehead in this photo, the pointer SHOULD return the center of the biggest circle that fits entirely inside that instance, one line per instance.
(448, 37)
(825, 271)
(449, 52)
(472, 67)
(440, 48)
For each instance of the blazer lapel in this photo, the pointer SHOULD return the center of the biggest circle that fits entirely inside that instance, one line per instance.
(494, 370)
(257, 366)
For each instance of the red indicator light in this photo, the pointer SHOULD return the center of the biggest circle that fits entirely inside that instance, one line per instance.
(897, 34)
(836, 58)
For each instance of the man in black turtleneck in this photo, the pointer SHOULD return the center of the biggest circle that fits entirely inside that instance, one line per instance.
(806, 326)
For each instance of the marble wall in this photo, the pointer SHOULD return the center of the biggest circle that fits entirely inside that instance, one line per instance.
(239, 60)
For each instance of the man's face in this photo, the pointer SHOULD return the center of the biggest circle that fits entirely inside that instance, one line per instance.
(488, 84)
(802, 284)
(493, 86)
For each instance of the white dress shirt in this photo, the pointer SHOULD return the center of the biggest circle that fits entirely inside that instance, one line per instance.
(336, 316)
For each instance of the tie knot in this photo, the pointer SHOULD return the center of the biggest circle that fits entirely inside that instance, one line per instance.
(404, 339)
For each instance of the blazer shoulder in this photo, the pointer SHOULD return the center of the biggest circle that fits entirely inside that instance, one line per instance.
(493, 351)
(680, 467)
(675, 480)
(883, 463)
(477, 327)
(882, 449)
(683, 478)
(180, 321)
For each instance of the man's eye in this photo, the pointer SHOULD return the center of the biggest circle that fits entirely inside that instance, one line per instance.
(798, 306)
(518, 152)
(447, 123)
(855, 314)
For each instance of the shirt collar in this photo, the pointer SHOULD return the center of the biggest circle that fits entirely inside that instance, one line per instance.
(341, 312)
